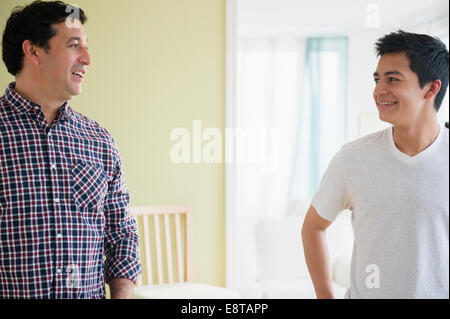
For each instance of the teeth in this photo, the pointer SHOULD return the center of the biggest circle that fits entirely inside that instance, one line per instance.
(386, 103)
(78, 73)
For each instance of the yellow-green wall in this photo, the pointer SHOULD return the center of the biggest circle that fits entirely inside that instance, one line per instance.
(158, 65)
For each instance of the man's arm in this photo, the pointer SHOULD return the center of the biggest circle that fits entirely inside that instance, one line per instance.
(122, 265)
(121, 288)
(316, 253)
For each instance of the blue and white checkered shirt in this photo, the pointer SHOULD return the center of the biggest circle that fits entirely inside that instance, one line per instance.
(64, 205)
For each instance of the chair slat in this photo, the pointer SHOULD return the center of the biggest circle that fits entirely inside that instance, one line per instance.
(148, 260)
(181, 276)
(168, 248)
(188, 246)
(158, 249)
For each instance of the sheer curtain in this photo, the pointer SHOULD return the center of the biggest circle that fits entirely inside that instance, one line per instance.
(268, 104)
(269, 78)
(322, 122)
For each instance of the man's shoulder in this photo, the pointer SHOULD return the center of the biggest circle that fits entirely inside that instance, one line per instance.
(446, 130)
(93, 131)
(367, 144)
(89, 125)
(7, 111)
(3, 108)
(446, 135)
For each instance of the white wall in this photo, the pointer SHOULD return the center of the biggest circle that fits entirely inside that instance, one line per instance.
(362, 62)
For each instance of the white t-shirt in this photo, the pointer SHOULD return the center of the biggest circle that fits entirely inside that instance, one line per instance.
(400, 215)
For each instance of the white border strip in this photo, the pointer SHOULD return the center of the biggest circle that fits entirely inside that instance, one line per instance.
(231, 250)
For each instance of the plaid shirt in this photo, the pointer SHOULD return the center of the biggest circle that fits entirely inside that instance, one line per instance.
(63, 205)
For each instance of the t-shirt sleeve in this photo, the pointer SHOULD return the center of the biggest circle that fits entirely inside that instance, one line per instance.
(332, 196)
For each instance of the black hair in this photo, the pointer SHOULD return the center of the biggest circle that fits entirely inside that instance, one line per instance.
(33, 22)
(428, 57)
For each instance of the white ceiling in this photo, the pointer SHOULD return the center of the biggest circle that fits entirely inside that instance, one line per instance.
(335, 14)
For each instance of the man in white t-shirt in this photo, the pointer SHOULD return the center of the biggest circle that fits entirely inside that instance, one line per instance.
(395, 182)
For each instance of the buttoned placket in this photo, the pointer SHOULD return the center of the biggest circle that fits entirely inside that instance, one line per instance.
(57, 197)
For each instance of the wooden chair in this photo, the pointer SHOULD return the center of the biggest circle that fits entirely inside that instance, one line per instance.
(165, 234)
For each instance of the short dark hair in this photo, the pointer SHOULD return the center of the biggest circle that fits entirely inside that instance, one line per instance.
(32, 22)
(428, 57)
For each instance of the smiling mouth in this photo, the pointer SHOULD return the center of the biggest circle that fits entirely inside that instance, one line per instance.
(78, 74)
(386, 105)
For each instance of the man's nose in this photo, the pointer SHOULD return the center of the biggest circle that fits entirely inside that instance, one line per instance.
(380, 89)
(85, 57)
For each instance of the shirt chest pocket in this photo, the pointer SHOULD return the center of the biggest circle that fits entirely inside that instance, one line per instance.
(89, 185)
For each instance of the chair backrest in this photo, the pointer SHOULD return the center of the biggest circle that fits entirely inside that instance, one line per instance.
(165, 240)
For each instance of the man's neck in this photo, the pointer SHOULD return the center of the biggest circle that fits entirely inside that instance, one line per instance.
(41, 96)
(414, 139)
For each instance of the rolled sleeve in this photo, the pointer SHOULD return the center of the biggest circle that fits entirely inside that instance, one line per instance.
(121, 238)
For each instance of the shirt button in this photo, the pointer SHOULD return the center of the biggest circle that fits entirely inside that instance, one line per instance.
(58, 270)
(56, 200)
(36, 108)
(59, 236)
(53, 166)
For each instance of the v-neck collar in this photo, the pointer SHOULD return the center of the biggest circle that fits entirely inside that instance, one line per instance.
(423, 154)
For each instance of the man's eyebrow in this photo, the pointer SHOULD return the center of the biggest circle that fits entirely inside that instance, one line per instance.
(389, 73)
(75, 38)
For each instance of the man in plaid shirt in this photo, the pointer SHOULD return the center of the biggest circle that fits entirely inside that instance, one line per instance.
(63, 198)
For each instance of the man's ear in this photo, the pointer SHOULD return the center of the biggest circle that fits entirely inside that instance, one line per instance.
(433, 89)
(30, 51)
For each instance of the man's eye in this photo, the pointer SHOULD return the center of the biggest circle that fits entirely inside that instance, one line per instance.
(75, 45)
(376, 80)
(393, 80)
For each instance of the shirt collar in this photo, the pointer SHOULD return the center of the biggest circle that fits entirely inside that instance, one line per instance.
(24, 105)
